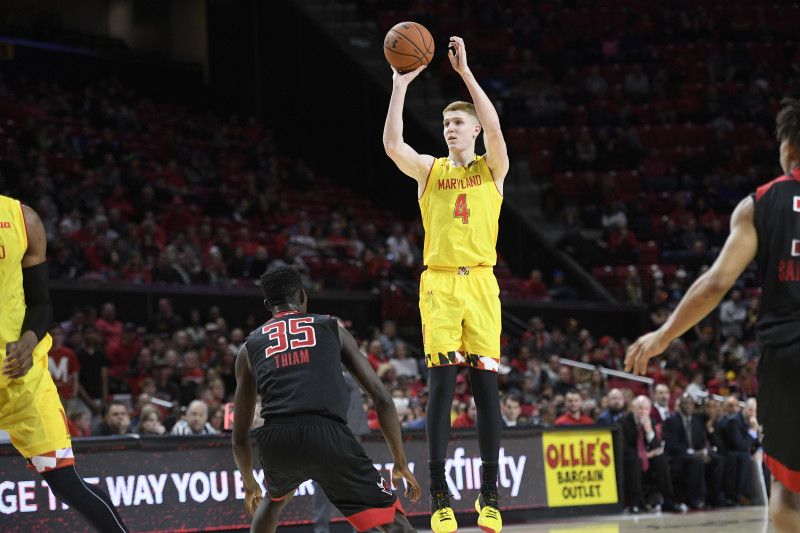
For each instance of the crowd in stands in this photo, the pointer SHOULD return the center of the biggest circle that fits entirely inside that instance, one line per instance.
(134, 191)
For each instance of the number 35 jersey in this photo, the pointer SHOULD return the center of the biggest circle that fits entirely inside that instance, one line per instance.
(460, 209)
(297, 362)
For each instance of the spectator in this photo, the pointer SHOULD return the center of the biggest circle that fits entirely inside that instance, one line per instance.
(595, 84)
(684, 438)
(398, 247)
(467, 419)
(732, 315)
(216, 417)
(150, 421)
(637, 84)
(553, 369)
(615, 410)
(564, 383)
(613, 218)
(510, 410)
(597, 386)
(93, 376)
(79, 424)
(462, 391)
(123, 354)
(644, 459)
(195, 421)
(403, 363)
(698, 259)
(661, 407)
(64, 368)
(116, 420)
(388, 338)
(573, 416)
(740, 434)
(375, 354)
(559, 290)
(165, 320)
(534, 288)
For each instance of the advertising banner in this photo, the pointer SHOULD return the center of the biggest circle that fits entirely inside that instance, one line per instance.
(579, 468)
(192, 484)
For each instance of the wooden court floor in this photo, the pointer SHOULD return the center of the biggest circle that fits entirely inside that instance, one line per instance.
(738, 520)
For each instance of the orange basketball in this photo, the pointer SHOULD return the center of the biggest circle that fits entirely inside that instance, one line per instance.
(407, 46)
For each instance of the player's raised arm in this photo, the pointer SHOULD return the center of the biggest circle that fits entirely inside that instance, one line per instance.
(243, 408)
(496, 151)
(705, 293)
(368, 380)
(406, 158)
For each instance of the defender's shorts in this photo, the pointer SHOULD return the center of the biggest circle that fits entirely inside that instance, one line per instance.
(778, 397)
(461, 320)
(31, 412)
(294, 449)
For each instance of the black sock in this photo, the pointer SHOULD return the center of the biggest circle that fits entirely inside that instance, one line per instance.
(489, 477)
(438, 482)
(89, 501)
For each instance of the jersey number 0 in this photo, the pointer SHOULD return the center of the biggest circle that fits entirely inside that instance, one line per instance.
(277, 331)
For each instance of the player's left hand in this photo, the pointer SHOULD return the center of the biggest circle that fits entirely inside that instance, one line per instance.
(19, 356)
(412, 487)
(645, 348)
(457, 53)
(252, 499)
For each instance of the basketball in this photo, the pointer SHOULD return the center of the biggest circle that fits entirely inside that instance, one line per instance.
(407, 46)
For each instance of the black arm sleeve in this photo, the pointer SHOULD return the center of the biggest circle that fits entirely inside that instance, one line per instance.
(39, 309)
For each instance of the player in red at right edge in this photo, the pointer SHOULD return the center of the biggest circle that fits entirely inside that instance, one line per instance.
(765, 226)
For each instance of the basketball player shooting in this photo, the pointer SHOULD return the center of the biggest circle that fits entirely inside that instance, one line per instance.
(460, 197)
(764, 226)
(294, 360)
(30, 409)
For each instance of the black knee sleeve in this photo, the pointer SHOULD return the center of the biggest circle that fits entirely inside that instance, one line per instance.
(89, 501)
(487, 402)
(442, 386)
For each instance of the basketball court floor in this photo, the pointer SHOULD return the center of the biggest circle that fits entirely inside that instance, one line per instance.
(738, 520)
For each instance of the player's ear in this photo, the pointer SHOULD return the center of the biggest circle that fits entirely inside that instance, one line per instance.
(302, 298)
(791, 151)
(477, 130)
(266, 303)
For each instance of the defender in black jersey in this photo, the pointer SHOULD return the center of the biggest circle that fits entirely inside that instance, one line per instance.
(764, 226)
(294, 360)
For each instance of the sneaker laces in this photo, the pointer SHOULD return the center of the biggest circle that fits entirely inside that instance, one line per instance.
(440, 502)
(490, 499)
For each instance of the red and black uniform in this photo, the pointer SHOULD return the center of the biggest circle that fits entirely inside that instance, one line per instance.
(777, 223)
(297, 363)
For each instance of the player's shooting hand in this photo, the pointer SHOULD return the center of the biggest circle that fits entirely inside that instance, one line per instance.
(404, 78)
(412, 487)
(457, 53)
(19, 356)
(645, 348)
(252, 499)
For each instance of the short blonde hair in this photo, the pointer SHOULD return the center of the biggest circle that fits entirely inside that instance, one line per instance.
(466, 107)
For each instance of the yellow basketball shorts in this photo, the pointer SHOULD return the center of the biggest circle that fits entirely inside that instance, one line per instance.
(31, 412)
(461, 322)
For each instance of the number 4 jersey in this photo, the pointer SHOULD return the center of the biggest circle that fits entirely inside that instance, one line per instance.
(777, 222)
(460, 211)
(296, 359)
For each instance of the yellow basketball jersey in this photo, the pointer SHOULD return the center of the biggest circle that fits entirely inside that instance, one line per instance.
(13, 244)
(460, 211)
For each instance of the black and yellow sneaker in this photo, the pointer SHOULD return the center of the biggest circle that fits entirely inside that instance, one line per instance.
(489, 519)
(443, 519)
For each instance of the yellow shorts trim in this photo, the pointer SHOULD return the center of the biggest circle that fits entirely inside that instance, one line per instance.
(461, 320)
(31, 412)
